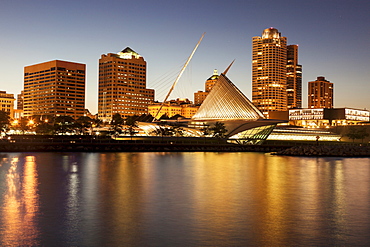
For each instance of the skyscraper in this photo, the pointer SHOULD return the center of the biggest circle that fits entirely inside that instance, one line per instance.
(54, 88)
(294, 78)
(320, 93)
(269, 60)
(276, 74)
(122, 85)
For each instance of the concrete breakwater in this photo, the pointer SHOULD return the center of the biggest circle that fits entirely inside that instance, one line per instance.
(327, 150)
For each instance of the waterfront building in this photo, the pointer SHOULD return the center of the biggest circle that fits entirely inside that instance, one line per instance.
(269, 71)
(55, 88)
(226, 104)
(7, 103)
(327, 117)
(183, 107)
(200, 96)
(288, 133)
(122, 85)
(294, 78)
(320, 93)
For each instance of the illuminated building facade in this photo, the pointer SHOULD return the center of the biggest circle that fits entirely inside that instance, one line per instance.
(54, 88)
(269, 71)
(302, 134)
(294, 78)
(7, 103)
(225, 104)
(228, 105)
(200, 96)
(182, 107)
(320, 93)
(122, 85)
(327, 117)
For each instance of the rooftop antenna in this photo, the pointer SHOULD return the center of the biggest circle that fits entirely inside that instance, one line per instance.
(179, 75)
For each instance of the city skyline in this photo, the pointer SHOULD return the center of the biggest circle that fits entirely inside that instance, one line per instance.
(332, 39)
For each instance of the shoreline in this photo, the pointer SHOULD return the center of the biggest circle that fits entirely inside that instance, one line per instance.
(27, 143)
(326, 151)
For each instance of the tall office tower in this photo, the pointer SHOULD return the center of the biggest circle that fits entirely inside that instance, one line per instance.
(54, 88)
(122, 85)
(269, 81)
(294, 78)
(320, 93)
(200, 96)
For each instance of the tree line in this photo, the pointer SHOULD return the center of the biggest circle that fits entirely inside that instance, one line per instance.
(50, 125)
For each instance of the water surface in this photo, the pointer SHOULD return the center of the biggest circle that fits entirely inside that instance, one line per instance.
(183, 199)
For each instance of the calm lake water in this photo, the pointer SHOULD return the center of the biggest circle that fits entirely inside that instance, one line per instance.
(183, 199)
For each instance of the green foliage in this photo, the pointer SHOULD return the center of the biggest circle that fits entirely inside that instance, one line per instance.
(206, 130)
(44, 128)
(145, 118)
(64, 124)
(177, 116)
(4, 121)
(131, 124)
(82, 124)
(23, 125)
(357, 133)
(117, 122)
(164, 116)
(218, 130)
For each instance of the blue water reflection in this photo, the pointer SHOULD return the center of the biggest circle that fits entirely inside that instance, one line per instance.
(183, 199)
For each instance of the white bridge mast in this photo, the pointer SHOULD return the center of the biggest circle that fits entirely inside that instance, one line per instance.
(178, 77)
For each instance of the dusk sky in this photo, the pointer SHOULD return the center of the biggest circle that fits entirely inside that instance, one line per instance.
(333, 38)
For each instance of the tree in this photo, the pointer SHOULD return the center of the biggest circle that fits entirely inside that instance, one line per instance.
(145, 118)
(164, 117)
(218, 130)
(357, 133)
(44, 128)
(24, 124)
(176, 117)
(64, 124)
(206, 131)
(4, 121)
(83, 123)
(131, 124)
(117, 122)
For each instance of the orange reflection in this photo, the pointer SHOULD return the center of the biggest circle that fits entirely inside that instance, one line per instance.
(21, 204)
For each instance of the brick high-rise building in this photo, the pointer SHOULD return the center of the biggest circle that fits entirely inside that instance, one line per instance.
(54, 88)
(122, 85)
(276, 74)
(320, 93)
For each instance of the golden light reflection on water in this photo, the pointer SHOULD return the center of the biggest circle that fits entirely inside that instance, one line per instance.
(20, 208)
(209, 199)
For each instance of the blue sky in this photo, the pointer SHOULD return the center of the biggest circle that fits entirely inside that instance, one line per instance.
(333, 38)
